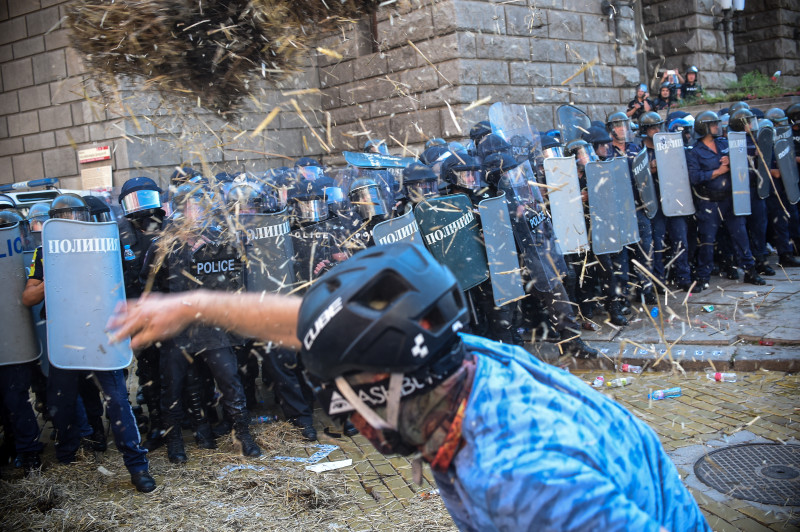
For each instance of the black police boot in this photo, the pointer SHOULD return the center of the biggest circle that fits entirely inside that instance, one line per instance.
(763, 267)
(614, 309)
(307, 428)
(576, 346)
(348, 429)
(700, 285)
(241, 429)
(31, 462)
(204, 437)
(154, 437)
(223, 428)
(143, 481)
(787, 260)
(587, 309)
(751, 276)
(175, 450)
(650, 296)
(732, 272)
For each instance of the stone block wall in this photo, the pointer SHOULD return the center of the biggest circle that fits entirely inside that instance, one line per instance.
(767, 37)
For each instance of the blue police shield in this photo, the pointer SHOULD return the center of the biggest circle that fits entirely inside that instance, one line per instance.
(740, 172)
(269, 266)
(501, 251)
(376, 160)
(510, 121)
(18, 343)
(83, 286)
(765, 143)
(452, 234)
(644, 183)
(566, 204)
(787, 164)
(400, 229)
(611, 206)
(673, 175)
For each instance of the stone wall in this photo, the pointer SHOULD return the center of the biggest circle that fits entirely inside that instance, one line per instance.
(767, 37)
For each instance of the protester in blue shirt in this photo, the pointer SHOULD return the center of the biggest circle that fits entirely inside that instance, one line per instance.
(513, 442)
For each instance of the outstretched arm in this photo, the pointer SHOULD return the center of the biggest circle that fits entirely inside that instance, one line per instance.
(157, 317)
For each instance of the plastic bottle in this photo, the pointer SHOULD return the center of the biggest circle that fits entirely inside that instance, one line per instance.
(128, 253)
(663, 394)
(722, 377)
(262, 420)
(621, 381)
(598, 382)
(628, 368)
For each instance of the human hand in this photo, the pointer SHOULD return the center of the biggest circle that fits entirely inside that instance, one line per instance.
(151, 318)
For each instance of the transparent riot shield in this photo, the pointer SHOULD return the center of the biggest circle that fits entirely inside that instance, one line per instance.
(269, 266)
(765, 142)
(376, 160)
(566, 205)
(501, 251)
(315, 250)
(644, 183)
(451, 233)
(572, 122)
(533, 228)
(787, 164)
(83, 286)
(740, 172)
(673, 175)
(611, 206)
(18, 342)
(400, 229)
(510, 121)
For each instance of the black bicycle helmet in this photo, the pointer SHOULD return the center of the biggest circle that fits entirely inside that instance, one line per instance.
(387, 309)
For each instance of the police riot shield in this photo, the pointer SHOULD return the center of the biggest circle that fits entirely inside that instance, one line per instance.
(611, 206)
(376, 160)
(644, 183)
(18, 343)
(740, 172)
(82, 288)
(269, 266)
(566, 204)
(510, 121)
(572, 122)
(673, 175)
(452, 234)
(787, 164)
(400, 229)
(501, 251)
(315, 250)
(533, 228)
(765, 142)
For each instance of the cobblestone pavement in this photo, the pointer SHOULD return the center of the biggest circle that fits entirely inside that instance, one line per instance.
(761, 407)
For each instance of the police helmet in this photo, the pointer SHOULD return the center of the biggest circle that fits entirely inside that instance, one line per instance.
(419, 182)
(764, 123)
(777, 116)
(69, 206)
(692, 69)
(739, 120)
(6, 202)
(793, 113)
(736, 106)
(37, 215)
(366, 198)
(184, 175)
(679, 124)
(310, 205)
(648, 120)
(613, 118)
(436, 141)
(308, 169)
(497, 164)
(493, 143)
(388, 309)
(139, 197)
(196, 193)
(98, 209)
(583, 151)
(433, 154)
(665, 85)
(462, 171)
(480, 130)
(704, 122)
(9, 217)
(376, 146)
(613, 123)
(247, 197)
(551, 147)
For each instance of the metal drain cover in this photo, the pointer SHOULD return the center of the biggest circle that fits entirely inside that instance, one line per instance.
(768, 473)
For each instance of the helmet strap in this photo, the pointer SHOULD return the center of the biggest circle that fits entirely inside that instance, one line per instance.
(372, 417)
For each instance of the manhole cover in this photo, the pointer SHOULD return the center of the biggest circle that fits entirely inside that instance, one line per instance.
(768, 473)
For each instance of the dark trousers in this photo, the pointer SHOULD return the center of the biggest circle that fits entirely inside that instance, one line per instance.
(611, 274)
(642, 251)
(62, 394)
(15, 380)
(781, 221)
(757, 224)
(280, 366)
(675, 228)
(710, 216)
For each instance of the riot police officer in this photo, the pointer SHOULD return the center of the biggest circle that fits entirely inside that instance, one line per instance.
(419, 184)
(691, 88)
(63, 384)
(709, 174)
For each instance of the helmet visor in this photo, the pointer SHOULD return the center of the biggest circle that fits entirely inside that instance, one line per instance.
(470, 179)
(621, 130)
(585, 155)
(80, 215)
(419, 190)
(520, 179)
(555, 151)
(309, 173)
(140, 200)
(311, 210)
(368, 202)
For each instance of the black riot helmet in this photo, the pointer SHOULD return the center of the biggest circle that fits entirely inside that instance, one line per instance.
(387, 309)
(376, 146)
(38, 214)
(245, 197)
(736, 106)
(480, 130)
(600, 141)
(308, 169)
(462, 171)
(433, 154)
(183, 175)
(436, 141)
(140, 197)
(493, 143)
(777, 116)
(367, 200)
(496, 165)
(793, 113)
(309, 206)
(98, 209)
(650, 120)
(419, 182)
(10, 217)
(707, 123)
(619, 126)
(551, 147)
(743, 120)
(69, 206)
(583, 152)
